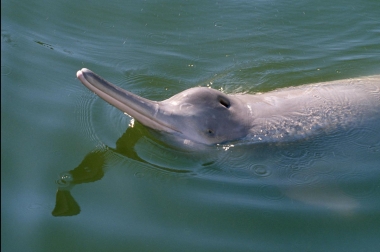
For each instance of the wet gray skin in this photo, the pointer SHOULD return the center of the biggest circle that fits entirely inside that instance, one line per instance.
(207, 116)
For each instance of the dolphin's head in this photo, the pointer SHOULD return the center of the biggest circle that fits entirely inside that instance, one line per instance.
(206, 115)
(201, 115)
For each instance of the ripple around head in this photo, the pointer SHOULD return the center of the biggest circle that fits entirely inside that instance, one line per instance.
(243, 162)
(108, 122)
(169, 159)
(135, 77)
(83, 111)
(100, 122)
(142, 81)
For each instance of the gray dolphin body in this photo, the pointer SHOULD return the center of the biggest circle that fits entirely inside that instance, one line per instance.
(206, 116)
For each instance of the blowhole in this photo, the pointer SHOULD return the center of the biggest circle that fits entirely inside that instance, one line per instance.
(224, 102)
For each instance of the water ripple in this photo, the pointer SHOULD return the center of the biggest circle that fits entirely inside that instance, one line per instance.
(366, 137)
(6, 70)
(251, 171)
(84, 114)
(157, 38)
(358, 185)
(162, 156)
(271, 192)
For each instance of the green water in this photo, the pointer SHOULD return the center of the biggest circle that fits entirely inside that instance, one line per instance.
(318, 195)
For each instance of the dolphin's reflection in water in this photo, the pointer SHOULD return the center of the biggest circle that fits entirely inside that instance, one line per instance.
(337, 171)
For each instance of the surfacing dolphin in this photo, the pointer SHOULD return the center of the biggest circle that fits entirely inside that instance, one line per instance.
(207, 116)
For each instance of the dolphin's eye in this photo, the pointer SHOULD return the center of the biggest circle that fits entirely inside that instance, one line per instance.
(210, 132)
(224, 102)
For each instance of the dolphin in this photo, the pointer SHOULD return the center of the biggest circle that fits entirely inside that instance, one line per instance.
(206, 116)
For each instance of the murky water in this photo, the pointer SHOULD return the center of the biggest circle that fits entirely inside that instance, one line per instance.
(129, 191)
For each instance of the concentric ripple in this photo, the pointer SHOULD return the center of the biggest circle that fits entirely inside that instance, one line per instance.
(102, 123)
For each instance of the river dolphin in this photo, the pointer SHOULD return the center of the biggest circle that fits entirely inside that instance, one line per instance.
(206, 116)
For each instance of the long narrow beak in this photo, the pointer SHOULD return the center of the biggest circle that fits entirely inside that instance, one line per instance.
(143, 110)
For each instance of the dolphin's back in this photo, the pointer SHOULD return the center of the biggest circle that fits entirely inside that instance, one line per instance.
(297, 112)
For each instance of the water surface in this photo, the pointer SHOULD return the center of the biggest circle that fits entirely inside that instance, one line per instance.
(314, 195)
